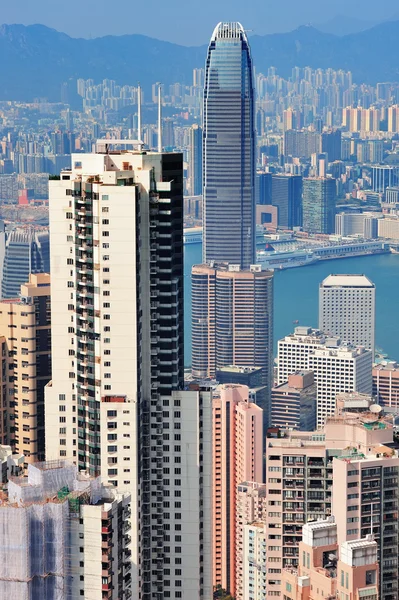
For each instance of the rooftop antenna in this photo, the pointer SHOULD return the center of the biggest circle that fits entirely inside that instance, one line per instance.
(159, 118)
(139, 112)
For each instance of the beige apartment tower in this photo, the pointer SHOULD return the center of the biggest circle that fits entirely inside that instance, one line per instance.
(25, 323)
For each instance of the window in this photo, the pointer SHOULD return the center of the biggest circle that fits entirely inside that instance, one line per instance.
(105, 233)
(105, 209)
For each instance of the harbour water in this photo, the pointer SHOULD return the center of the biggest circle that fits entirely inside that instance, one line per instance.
(296, 295)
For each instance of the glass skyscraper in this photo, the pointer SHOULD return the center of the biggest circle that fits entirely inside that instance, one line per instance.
(229, 149)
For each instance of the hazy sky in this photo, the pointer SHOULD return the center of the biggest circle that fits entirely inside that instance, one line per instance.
(184, 21)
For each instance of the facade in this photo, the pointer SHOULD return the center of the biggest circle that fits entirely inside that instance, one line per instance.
(301, 143)
(117, 314)
(388, 228)
(384, 176)
(25, 322)
(232, 320)
(287, 197)
(363, 224)
(392, 195)
(347, 309)
(327, 570)
(195, 167)
(229, 149)
(341, 369)
(27, 251)
(255, 544)
(293, 404)
(251, 507)
(386, 384)
(64, 535)
(237, 456)
(331, 144)
(318, 205)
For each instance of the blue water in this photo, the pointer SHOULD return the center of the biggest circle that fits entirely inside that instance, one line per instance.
(296, 295)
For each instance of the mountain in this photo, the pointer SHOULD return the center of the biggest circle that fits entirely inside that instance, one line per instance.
(36, 60)
(342, 25)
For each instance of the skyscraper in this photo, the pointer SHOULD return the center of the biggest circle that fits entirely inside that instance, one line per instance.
(347, 309)
(229, 149)
(27, 251)
(318, 205)
(196, 160)
(232, 320)
(287, 197)
(114, 405)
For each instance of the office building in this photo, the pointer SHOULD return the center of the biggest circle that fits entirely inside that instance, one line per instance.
(347, 309)
(340, 369)
(25, 323)
(195, 164)
(386, 384)
(286, 195)
(337, 367)
(318, 205)
(232, 320)
(113, 405)
(331, 144)
(349, 569)
(384, 176)
(364, 225)
(229, 149)
(293, 404)
(237, 456)
(251, 507)
(64, 535)
(264, 189)
(392, 195)
(27, 251)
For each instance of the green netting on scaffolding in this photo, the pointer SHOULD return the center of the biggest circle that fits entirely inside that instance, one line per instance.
(63, 493)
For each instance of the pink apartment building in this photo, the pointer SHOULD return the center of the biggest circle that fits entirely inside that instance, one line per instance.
(237, 457)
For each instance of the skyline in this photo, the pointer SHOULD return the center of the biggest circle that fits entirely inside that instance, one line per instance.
(260, 19)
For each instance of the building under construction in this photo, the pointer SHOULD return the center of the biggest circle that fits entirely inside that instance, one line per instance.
(63, 535)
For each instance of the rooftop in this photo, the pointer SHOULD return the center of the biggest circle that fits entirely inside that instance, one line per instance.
(347, 280)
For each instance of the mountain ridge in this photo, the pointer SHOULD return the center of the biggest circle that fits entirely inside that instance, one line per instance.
(39, 59)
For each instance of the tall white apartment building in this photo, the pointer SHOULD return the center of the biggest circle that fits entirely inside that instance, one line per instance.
(255, 572)
(347, 309)
(336, 370)
(337, 367)
(114, 405)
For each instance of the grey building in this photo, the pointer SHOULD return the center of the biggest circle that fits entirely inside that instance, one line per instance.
(229, 149)
(318, 204)
(287, 197)
(27, 251)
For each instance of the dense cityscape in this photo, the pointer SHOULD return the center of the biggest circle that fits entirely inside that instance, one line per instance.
(156, 439)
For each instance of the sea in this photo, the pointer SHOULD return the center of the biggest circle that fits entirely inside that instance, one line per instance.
(296, 295)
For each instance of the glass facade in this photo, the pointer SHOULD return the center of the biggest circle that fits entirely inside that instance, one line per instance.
(319, 205)
(229, 149)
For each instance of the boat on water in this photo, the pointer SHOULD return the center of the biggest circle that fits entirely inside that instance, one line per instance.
(273, 259)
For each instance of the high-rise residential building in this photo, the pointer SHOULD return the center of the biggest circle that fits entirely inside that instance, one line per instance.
(347, 309)
(310, 474)
(331, 144)
(229, 149)
(286, 195)
(195, 165)
(113, 405)
(251, 507)
(25, 323)
(232, 320)
(349, 569)
(27, 251)
(64, 535)
(393, 119)
(237, 456)
(301, 144)
(386, 384)
(293, 404)
(318, 204)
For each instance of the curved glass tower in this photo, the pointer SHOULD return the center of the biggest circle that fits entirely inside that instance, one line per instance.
(229, 149)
